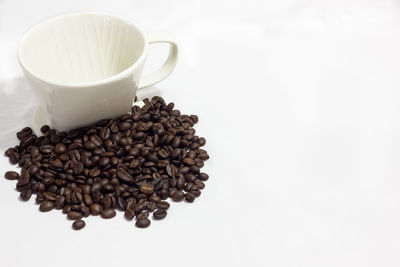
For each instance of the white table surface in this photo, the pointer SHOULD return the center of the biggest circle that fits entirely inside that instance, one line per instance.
(299, 102)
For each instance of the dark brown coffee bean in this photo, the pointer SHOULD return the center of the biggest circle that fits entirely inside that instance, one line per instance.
(49, 196)
(196, 193)
(44, 129)
(189, 197)
(135, 116)
(39, 198)
(60, 148)
(142, 215)
(159, 214)
(76, 197)
(66, 209)
(104, 161)
(105, 133)
(88, 199)
(124, 176)
(78, 224)
(199, 184)
(59, 203)
(129, 214)
(96, 140)
(178, 196)
(188, 161)
(46, 206)
(162, 153)
(140, 206)
(78, 167)
(95, 209)
(46, 149)
(194, 118)
(148, 189)
(203, 176)
(85, 211)
(180, 183)
(74, 215)
(202, 141)
(190, 177)
(143, 223)
(176, 153)
(163, 205)
(89, 145)
(26, 194)
(154, 198)
(94, 172)
(32, 170)
(11, 175)
(151, 206)
(203, 156)
(108, 214)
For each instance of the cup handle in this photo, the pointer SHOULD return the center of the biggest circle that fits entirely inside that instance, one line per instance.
(169, 65)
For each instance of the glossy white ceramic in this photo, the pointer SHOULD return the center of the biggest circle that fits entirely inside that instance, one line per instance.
(88, 66)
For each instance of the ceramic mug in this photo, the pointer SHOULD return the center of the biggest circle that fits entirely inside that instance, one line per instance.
(85, 67)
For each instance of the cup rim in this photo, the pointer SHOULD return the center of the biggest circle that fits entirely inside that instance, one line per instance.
(115, 77)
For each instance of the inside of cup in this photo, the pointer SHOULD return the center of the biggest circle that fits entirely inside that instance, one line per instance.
(81, 48)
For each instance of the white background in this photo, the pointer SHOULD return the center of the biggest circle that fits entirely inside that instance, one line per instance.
(300, 105)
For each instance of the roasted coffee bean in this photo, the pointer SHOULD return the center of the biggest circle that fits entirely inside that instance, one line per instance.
(60, 148)
(78, 224)
(32, 170)
(155, 198)
(85, 211)
(26, 194)
(23, 185)
(188, 161)
(148, 189)
(189, 197)
(74, 215)
(89, 145)
(60, 201)
(88, 199)
(143, 223)
(108, 214)
(196, 193)
(129, 214)
(124, 176)
(11, 175)
(104, 161)
(140, 206)
(121, 203)
(151, 206)
(95, 209)
(142, 215)
(203, 176)
(194, 118)
(199, 184)
(159, 214)
(66, 209)
(178, 196)
(39, 198)
(105, 133)
(76, 197)
(46, 206)
(44, 129)
(163, 205)
(46, 149)
(49, 196)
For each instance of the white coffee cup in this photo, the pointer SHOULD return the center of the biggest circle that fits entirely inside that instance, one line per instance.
(85, 67)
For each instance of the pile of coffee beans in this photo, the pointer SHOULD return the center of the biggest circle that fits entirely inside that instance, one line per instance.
(132, 164)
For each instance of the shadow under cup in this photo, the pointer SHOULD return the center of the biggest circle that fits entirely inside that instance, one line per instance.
(84, 67)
